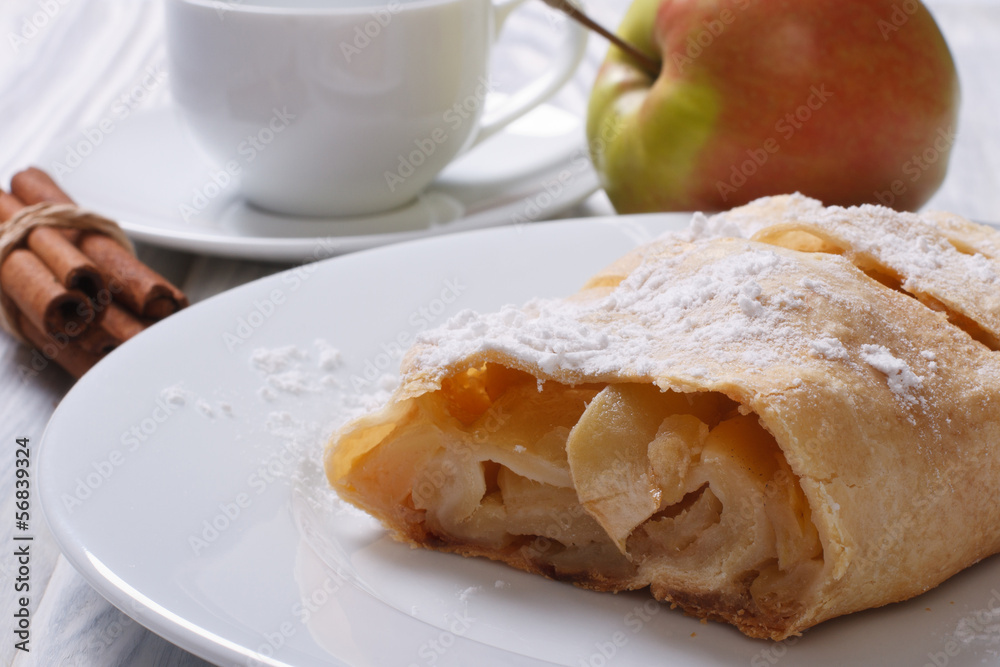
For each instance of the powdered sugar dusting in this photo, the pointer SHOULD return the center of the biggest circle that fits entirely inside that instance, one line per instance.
(745, 221)
(722, 307)
(981, 627)
(716, 226)
(912, 245)
(174, 395)
(290, 376)
(177, 396)
(465, 594)
(328, 357)
(295, 371)
(701, 312)
(902, 381)
(747, 300)
(918, 250)
(817, 286)
(930, 356)
(273, 360)
(828, 348)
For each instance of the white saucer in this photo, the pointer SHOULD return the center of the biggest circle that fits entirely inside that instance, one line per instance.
(149, 176)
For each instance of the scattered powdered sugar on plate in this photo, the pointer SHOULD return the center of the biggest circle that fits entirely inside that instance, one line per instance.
(327, 356)
(295, 382)
(902, 381)
(465, 594)
(980, 629)
(296, 454)
(292, 378)
(290, 373)
(298, 371)
(177, 396)
(277, 359)
(291, 370)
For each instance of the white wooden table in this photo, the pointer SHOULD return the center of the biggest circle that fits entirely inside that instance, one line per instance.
(61, 72)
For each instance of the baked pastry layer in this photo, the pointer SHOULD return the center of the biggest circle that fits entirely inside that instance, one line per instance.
(770, 431)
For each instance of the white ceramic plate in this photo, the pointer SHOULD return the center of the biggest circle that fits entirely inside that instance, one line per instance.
(180, 477)
(150, 176)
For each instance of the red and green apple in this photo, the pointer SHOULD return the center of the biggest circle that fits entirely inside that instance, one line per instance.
(847, 101)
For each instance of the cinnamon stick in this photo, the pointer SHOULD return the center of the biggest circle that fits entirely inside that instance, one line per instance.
(120, 323)
(9, 205)
(67, 353)
(70, 266)
(144, 291)
(37, 291)
(97, 340)
(41, 298)
(33, 186)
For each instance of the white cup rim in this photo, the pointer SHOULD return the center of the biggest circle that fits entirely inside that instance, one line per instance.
(244, 8)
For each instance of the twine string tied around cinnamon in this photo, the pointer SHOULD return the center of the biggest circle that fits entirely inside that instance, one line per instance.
(68, 216)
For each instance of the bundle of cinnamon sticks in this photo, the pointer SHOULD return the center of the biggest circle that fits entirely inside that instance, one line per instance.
(75, 294)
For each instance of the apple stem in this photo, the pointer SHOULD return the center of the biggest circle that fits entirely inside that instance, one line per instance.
(650, 66)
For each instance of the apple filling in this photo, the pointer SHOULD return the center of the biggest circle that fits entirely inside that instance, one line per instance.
(623, 484)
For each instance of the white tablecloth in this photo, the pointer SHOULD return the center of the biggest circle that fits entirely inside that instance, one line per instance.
(65, 63)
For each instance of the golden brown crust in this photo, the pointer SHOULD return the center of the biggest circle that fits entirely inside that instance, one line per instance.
(885, 412)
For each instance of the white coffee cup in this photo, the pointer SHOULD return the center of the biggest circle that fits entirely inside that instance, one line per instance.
(343, 107)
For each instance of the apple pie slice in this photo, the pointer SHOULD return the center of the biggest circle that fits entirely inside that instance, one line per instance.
(769, 432)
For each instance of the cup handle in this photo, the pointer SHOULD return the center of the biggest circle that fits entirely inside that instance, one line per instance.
(571, 52)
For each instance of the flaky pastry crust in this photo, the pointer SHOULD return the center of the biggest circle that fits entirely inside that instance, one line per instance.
(785, 414)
